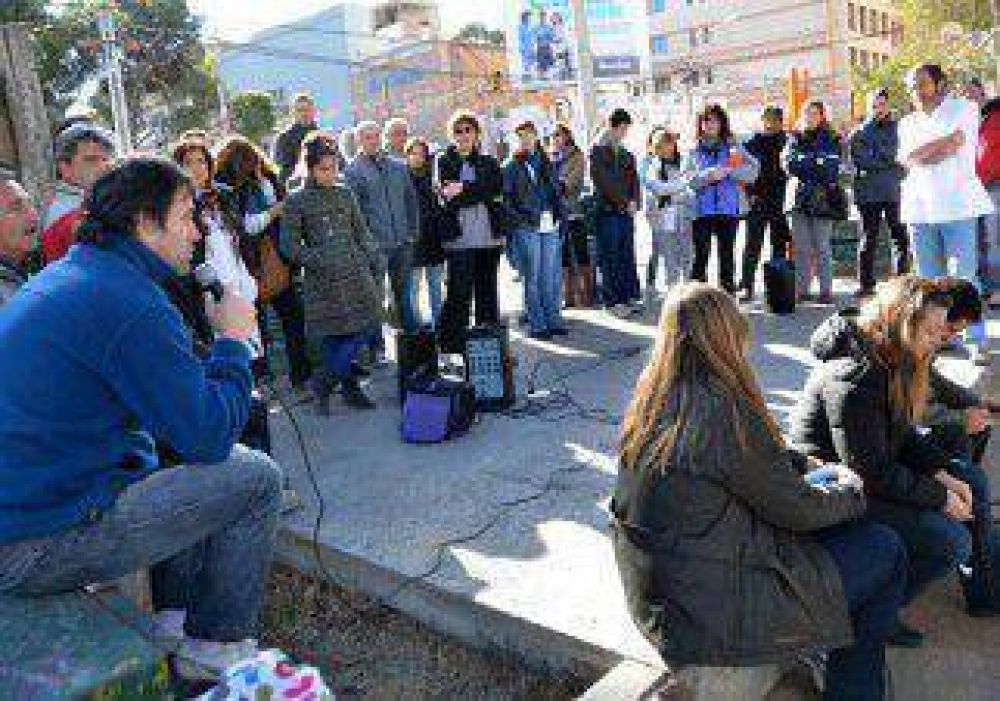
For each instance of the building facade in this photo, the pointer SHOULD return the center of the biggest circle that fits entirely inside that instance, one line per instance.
(426, 80)
(741, 52)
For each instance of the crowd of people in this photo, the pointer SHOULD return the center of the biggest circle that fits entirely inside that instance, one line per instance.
(114, 362)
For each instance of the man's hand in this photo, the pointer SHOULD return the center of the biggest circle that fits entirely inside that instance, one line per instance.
(956, 508)
(977, 420)
(234, 317)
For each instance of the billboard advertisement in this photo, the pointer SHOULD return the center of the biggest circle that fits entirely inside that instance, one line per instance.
(541, 40)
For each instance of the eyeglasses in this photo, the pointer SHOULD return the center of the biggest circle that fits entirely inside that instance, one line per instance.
(464, 130)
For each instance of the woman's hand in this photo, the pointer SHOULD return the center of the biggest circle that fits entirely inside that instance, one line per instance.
(955, 486)
(452, 190)
(955, 507)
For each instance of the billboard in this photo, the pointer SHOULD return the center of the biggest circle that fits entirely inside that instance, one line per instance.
(541, 42)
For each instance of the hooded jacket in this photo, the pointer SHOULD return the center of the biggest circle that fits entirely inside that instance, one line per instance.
(874, 154)
(711, 547)
(844, 416)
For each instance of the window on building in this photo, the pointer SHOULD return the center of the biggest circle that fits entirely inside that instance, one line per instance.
(706, 35)
(885, 25)
(661, 84)
(864, 59)
(709, 76)
(862, 20)
(658, 44)
(693, 37)
(852, 18)
(873, 21)
(854, 56)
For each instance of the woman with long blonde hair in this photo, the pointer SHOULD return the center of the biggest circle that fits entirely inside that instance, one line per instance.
(864, 406)
(727, 543)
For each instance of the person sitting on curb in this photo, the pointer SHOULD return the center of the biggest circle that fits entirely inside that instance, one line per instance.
(733, 549)
(97, 369)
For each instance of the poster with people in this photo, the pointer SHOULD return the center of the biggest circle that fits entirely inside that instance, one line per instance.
(541, 48)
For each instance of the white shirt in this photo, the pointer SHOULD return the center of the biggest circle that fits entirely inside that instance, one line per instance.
(221, 252)
(950, 190)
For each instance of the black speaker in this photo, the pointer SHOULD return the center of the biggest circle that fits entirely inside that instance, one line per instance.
(779, 285)
(489, 367)
(416, 356)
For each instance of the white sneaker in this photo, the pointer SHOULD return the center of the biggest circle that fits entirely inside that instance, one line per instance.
(168, 626)
(207, 659)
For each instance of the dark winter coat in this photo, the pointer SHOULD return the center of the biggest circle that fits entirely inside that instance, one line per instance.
(874, 150)
(767, 193)
(428, 250)
(713, 548)
(288, 146)
(813, 160)
(844, 415)
(324, 231)
(615, 175)
(487, 190)
(529, 188)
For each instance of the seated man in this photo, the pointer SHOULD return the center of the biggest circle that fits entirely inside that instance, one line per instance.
(18, 235)
(96, 370)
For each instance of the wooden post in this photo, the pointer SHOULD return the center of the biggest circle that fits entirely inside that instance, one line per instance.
(22, 94)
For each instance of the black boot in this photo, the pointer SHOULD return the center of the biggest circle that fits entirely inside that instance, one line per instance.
(354, 396)
(322, 387)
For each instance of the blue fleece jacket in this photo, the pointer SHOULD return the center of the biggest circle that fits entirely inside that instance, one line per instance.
(96, 365)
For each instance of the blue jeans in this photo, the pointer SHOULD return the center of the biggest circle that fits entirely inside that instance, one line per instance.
(435, 290)
(207, 530)
(935, 246)
(935, 544)
(871, 560)
(540, 256)
(616, 258)
(981, 586)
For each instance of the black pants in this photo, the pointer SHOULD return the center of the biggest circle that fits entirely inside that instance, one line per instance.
(291, 314)
(724, 229)
(758, 221)
(871, 220)
(472, 275)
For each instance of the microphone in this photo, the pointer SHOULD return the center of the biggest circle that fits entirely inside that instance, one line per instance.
(207, 278)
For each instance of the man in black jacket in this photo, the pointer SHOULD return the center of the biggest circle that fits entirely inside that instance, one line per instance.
(767, 197)
(874, 153)
(288, 143)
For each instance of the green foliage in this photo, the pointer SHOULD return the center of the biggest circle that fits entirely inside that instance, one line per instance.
(935, 32)
(478, 32)
(164, 60)
(253, 114)
(31, 11)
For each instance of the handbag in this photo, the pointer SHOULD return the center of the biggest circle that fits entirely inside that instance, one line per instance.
(437, 409)
(274, 277)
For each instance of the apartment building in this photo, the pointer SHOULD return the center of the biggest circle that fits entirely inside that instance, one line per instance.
(742, 52)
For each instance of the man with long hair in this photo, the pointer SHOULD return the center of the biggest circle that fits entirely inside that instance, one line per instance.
(83, 496)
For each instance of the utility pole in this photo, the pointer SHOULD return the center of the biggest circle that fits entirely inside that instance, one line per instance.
(587, 95)
(116, 85)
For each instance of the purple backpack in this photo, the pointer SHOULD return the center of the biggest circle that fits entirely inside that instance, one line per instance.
(437, 409)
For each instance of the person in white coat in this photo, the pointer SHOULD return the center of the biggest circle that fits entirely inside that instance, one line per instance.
(667, 206)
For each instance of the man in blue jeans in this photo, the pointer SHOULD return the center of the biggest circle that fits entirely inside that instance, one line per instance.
(530, 192)
(942, 197)
(616, 184)
(97, 371)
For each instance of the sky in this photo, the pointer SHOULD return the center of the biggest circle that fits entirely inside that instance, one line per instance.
(236, 20)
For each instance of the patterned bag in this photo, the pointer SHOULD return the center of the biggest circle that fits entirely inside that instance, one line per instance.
(269, 675)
